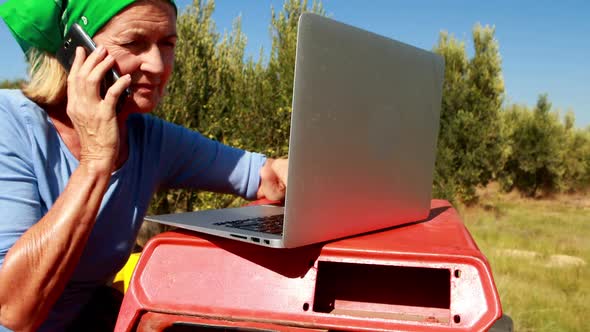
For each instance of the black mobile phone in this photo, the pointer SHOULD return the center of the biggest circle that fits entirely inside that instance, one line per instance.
(75, 37)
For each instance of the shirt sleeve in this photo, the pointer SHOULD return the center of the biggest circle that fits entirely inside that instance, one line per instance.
(20, 205)
(190, 160)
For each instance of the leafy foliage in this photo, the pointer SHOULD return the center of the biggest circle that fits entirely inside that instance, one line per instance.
(7, 84)
(576, 176)
(546, 156)
(470, 147)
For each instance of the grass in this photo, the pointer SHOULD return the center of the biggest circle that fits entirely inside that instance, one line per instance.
(539, 251)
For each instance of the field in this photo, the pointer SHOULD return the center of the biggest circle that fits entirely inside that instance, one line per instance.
(539, 251)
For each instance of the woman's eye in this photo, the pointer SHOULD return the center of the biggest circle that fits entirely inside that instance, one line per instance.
(135, 44)
(168, 43)
(131, 43)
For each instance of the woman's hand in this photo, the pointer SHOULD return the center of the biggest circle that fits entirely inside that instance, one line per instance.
(273, 179)
(93, 117)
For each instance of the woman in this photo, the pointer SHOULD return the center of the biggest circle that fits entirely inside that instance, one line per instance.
(75, 177)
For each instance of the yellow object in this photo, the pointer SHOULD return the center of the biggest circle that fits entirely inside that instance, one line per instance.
(123, 277)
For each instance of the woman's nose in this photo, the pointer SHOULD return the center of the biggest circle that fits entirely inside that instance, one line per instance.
(153, 61)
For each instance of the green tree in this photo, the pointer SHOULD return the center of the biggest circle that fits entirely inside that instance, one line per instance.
(11, 84)
(454, 94)
(281, 70)
(471, 150)
(190, 86)
(576, 157)
(485, 98)
(536, 163)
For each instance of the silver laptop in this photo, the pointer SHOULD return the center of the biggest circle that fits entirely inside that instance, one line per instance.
(362, 147)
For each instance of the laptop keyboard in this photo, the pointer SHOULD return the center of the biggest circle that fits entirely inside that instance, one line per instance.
(268, 224)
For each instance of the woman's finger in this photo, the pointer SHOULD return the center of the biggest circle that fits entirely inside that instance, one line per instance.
(100, 70)
(93, 59)
(79, 58)
(115, 91)
(103, 66)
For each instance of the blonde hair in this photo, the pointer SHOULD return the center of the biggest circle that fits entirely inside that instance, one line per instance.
(48, 79)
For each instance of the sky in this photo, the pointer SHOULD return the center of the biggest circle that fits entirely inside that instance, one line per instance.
(544, 45)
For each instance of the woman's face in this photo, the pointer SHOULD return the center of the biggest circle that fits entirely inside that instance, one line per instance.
(142, 38)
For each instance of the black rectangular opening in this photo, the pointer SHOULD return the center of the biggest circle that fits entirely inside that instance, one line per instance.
(364, 288)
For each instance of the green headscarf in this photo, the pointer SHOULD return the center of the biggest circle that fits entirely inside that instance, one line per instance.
(42, 24)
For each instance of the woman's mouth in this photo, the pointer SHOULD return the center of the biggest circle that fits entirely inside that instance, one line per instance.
(143, 88)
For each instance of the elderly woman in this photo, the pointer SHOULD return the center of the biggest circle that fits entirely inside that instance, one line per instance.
(76, 178)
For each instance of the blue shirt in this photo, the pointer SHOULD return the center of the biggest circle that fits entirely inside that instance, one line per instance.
(35, 165)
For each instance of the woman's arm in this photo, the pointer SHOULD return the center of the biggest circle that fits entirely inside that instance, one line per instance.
(38, 266)
(41, 262)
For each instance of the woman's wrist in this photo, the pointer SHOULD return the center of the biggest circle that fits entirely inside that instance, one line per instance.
(97, 167)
